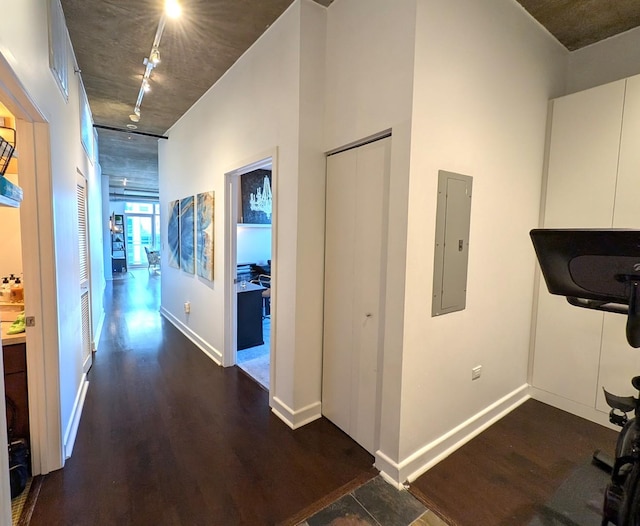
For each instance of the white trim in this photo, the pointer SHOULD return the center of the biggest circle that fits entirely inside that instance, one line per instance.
(298, 418)
(98, 331)
(429, 455)
(265, 159)
(207, 349)
(74, 421)
(581, 410)
(38, 269)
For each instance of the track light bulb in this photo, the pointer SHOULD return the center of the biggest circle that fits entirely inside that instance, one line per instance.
(135, 116)
(172, 8)
(155, 57)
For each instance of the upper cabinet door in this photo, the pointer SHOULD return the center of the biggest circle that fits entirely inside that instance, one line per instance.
(626, 211)
(583, 157)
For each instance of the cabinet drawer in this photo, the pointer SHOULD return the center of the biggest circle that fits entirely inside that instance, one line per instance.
(14, 358)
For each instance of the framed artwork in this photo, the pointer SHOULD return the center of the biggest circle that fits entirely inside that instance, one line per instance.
(173, 234)
(204, 234)
(187, 260)
(255, 197)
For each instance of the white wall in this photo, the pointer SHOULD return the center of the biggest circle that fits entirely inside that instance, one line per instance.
(254, 244)
(256, 109)
(24, 44)
(370, 53)
(612, 59)
(484, 72)
(465, 88)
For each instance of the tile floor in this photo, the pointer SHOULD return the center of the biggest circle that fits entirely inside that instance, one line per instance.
(375, 503)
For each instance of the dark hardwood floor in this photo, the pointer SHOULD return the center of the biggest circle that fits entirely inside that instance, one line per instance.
(504, 475)
(169, 438)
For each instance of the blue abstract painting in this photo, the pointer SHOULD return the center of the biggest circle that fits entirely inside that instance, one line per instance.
(173, 234)
(204, 234)
(187, 260)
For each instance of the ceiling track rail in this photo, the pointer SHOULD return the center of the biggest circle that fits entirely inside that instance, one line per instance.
(130, 132)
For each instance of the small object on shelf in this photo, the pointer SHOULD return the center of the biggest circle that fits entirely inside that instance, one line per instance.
(16, 293)
(18, 326)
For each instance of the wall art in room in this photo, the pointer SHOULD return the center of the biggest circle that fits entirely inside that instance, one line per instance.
(173, 234)
(204, 234)
(187, 260)
(256, 198)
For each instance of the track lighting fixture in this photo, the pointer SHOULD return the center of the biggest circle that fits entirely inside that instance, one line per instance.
(154, 57)
(172, 10)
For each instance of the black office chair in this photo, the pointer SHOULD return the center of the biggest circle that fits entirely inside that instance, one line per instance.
(264, 280)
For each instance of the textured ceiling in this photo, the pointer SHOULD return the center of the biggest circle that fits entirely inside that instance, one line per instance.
(578, 23)
(111, 38)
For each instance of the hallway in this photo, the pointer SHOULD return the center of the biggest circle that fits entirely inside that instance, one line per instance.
(168, 437)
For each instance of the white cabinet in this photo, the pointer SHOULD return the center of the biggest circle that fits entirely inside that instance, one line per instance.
(592, 182)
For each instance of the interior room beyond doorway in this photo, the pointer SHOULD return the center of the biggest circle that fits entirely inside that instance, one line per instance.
(253, 275)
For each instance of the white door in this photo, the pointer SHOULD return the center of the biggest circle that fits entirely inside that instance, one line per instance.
(83, 252)
(356, 222)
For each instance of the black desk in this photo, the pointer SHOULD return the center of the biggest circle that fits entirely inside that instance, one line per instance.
(249, 315)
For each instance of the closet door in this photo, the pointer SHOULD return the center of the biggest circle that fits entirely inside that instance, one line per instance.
(581, 186)
(618, 361)
(356, 223)
(84, 266)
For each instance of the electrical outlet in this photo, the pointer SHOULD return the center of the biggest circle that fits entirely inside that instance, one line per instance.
(476, 372)
(187, 307)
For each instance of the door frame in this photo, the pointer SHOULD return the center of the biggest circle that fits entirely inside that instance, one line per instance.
(38, 244)
(154, 234)
(231, 199)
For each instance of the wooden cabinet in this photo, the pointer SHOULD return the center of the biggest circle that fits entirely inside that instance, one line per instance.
(14, 359)
(249, 316)
(592, 182)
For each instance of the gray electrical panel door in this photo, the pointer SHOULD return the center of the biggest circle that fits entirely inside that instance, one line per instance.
(452, 243)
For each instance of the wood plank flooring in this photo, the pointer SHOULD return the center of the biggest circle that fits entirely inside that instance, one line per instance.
(504, 475)
(169, 438)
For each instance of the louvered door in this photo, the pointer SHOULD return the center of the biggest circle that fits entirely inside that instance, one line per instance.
(83, 253)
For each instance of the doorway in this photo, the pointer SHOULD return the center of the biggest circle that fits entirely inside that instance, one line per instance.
(250, 243)
(38, 268)
(142, 230)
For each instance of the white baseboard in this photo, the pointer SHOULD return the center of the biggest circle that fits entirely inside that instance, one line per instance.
(296, 418)
(98, 332)
(207, 349)
(583, 411)
(429, 455)
(72, 428)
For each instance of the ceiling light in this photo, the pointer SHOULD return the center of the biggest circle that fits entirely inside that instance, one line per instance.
(172, 8)
(132, 126)
(154, 58)
(135, 116)
(124, 182)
